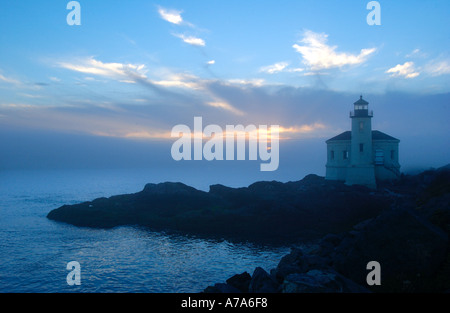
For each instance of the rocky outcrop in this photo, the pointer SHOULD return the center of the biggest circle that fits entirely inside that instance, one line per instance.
(412, 254)
(320, 281)
(271, 212)
(410, 241)
(409, 248)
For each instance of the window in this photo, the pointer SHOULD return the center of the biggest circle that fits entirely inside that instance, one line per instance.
(379, 157)
(361, 147)
(361, 107)
(345, 154)
(332, 155)
(392, 154)
(361, 126)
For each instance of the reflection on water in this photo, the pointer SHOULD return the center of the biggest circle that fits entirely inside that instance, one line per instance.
(34, 251)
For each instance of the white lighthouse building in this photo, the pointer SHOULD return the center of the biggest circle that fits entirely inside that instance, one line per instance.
(362, 156)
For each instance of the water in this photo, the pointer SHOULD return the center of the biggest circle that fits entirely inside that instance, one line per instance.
(34, 251)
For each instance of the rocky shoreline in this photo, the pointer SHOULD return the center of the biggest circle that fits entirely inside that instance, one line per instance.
(403, 225)
(410, 241)
(265, 212)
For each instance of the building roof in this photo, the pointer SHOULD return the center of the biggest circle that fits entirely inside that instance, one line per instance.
(344, 136)
(361, 101)
(376, 135)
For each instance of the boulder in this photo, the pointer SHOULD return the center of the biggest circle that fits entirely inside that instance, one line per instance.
(294, 262)
(298, 262)
(221, 288)
(240, 281)
(320, 281)
(262, 282)
(408, 248)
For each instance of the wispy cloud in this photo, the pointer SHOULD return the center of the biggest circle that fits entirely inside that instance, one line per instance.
(110, 70)
(226, 106)
(30, 96)
(280, 67)
(55, 79)
(245, 82)
(318, 55)
(301, 130)
(417, 53)
(437, 68)
(22, 84)
(406, 70)
(191, 40)
(171, 16)
(274, 68)
(10, 80)
(180, 80)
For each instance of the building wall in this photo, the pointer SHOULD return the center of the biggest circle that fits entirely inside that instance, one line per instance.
(383, 164)
(361, 142)
(361, 175)
(361, 169)
(386, 159)
(338, 159)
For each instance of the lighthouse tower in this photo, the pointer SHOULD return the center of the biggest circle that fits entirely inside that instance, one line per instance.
(361, 168)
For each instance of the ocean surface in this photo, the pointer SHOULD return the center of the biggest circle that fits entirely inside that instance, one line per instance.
(34, 251)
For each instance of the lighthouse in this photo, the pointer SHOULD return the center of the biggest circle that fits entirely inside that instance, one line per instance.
(362, 156)
(361, 170)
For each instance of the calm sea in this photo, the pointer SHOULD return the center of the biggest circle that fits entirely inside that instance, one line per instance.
(34, 251)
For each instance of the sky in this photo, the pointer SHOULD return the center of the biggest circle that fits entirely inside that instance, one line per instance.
(107, 92)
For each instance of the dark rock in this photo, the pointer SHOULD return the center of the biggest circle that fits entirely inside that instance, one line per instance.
(294, 262)
(221, 288)
(407, 247)
(325, 248)
(298, 262)
(270, 212)
(315, 261)
(323, 281)
(240, 281)
(262, 282)
(362, 225)
(410, 240)
(170, 188)
(332, 239)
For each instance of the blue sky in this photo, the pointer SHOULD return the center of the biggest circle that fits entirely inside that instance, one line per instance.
(134, 69)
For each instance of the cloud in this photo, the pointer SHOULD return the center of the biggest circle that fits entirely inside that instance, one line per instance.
(416, 53)
(413, 53)
(171, 16)
(174, 17)
(295, 70)
(110, 70)
(318, 55)
(9, 80)
(22, 84)
(437, 68)
(245, 82)
(226, 106)
(293, 132)
(406, 70)
(279, 67)
(274, 68)
(34, 96)
(191, 40)
(180, 80)
(211, 62)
